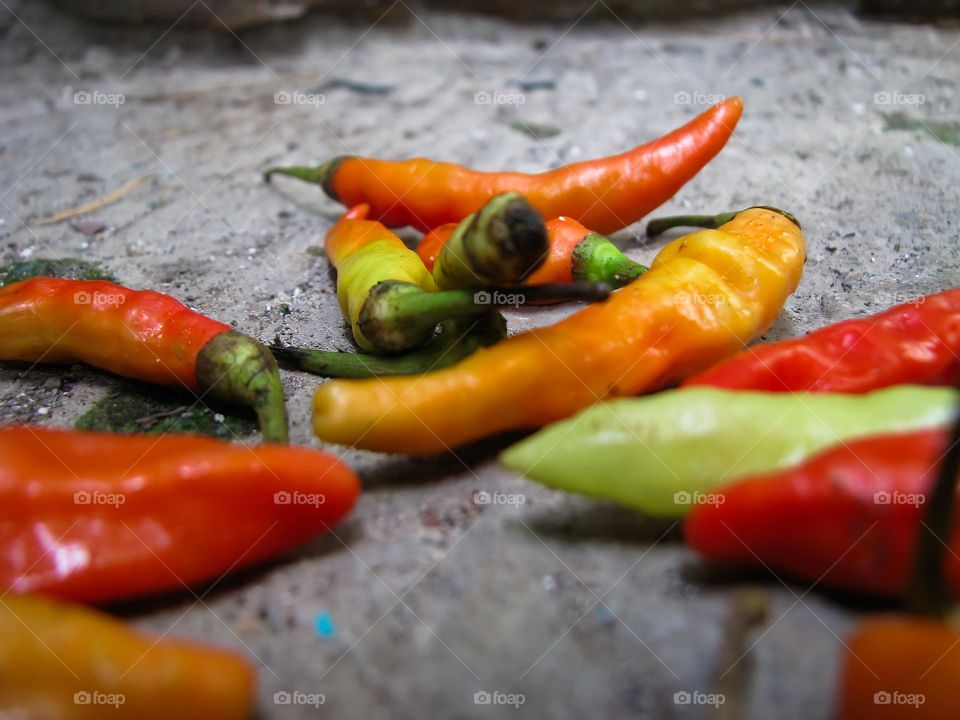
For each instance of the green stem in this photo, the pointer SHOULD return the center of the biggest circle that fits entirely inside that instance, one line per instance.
(456, 340)
(596, 259)
(397, 316)
(929, 594)
(502, 243)
(321, 175)
(236, 369)
(661, 225)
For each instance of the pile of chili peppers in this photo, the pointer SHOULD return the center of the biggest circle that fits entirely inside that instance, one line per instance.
(778, 454)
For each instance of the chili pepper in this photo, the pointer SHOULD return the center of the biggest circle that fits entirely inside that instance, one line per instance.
(604, 194)
(501, 243)
(389, 296)
(648, 334)
(456, 340)
(144, 335)
(661, 453)
(847, 517)
(575, 254)
(907, 666)
(916, 342)
(98, 517)
(71, 663)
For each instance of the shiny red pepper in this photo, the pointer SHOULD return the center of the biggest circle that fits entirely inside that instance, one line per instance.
(98, 517)
(917, 342)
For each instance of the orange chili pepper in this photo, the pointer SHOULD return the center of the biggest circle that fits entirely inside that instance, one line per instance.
(98, 517)
(574, 254)
(604, 194)
(704, 297)
(140, 334)
(71, 663)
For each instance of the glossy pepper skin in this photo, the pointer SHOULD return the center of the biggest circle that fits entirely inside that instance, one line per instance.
(140, 334)
(812, 520)
(648, 334)
(916, 342)
(64, 662)
(662, 453)
(605, 194)
(97, 517)
(575, 254)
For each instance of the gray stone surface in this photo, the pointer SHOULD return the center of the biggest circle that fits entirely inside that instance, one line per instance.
(435, 598)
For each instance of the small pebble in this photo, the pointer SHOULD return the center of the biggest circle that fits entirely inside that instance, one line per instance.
(324, 625)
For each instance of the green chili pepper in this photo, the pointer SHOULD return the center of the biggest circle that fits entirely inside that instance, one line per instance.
(664, 453)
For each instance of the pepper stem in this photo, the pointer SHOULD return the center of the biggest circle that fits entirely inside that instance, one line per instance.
(321, 175)
(502, 243)
(236, 369)
(929, 594)
(711, 222)
(596, 259)
(456, 340)
(399, 315)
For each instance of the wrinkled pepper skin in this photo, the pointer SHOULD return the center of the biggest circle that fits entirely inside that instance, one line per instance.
(900, 668)
(97, 517)
(705, 295)
(144, 335)
(916, 342)
(64, 662)
(812, 520)
(365, 253)
(605, 194)
(135, 333)
(659, 453)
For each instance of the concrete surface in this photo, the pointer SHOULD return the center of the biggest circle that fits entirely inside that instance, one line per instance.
(586, 610)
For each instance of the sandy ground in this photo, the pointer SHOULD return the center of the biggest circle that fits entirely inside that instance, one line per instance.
(583, 609)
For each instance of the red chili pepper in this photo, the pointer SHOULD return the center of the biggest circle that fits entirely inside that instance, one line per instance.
(140, 334)
(604, 194)
(847, 518)
(917, 342)
(98, 517)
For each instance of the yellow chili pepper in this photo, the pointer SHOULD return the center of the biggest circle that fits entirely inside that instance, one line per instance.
(70, 663)
(705, 296)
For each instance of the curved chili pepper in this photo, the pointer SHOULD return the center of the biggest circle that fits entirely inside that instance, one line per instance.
(916, 342)
(456, 340)
(663, 452)
(848, 517)
(604, 194)
(389, 296)
(575, 254)
(704, 296)
(501, 243)
(99, 517)
(71, 663)
(896, 667)
(144, 335)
